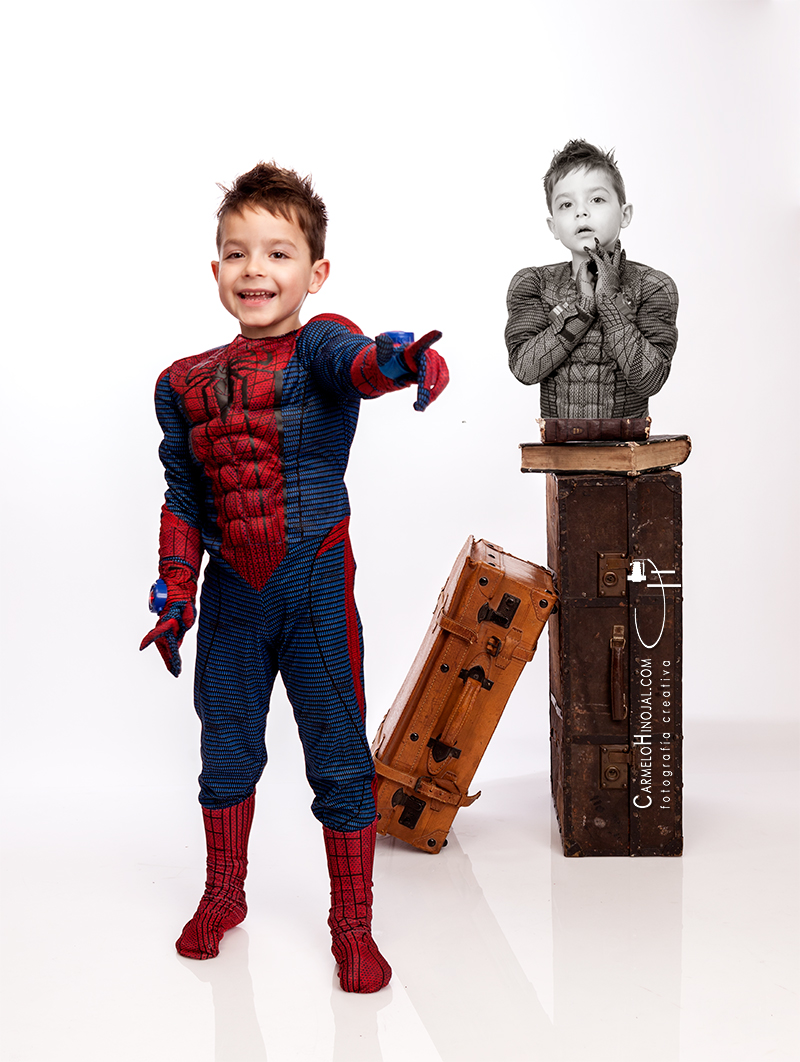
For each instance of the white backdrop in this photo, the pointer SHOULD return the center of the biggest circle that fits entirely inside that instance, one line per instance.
(427, 127)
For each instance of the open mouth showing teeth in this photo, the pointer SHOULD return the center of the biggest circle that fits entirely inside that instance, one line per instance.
(245, 295)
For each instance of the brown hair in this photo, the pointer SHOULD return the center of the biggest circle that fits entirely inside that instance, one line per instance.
(580, 155)
(283, 193)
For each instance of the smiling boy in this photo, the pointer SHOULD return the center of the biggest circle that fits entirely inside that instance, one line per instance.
(598, 332)
(265, 270)
(257, 435)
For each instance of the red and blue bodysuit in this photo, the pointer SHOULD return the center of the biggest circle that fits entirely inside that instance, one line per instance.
(257, 436)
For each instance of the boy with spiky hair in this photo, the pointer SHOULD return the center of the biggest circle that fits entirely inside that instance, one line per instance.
(598, 333)
(256, 440)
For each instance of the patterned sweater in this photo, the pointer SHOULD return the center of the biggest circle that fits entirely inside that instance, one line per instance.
(615, 366)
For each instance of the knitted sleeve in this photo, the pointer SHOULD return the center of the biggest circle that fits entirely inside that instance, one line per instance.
(643, 347)
(535, 349)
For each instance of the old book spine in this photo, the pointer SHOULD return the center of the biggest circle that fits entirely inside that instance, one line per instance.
(575, 430)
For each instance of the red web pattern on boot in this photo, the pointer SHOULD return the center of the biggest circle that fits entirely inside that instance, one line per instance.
(223, 904)
(362, 968)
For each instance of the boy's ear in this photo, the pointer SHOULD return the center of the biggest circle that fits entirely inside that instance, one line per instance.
(215, 270)
(319, 274)
(552, 226)
(627, 214)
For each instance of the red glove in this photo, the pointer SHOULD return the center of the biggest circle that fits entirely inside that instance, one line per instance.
(429, 367)
(180, 553)
(416, 360)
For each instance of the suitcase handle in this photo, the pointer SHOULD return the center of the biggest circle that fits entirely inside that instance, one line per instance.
(619, 702)
(474, 680)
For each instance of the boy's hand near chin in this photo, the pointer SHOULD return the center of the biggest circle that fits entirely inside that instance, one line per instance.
(608, 267)
(585, 280)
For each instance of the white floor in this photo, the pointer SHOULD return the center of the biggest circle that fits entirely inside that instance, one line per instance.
(503, 950)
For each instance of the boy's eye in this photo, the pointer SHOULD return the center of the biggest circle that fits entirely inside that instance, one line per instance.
(235, 254)
(564, 204)
(598, 199)
(278, 254)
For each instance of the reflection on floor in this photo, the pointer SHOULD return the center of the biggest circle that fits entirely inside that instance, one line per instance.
(503, 950)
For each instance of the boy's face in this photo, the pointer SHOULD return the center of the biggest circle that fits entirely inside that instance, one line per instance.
(585, 208)
(265, 271)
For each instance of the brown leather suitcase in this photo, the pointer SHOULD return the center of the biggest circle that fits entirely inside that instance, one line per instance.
(484, 630)
(614, 543)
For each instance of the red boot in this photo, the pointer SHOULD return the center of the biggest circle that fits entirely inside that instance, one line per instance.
(223, 904)
(362, 968)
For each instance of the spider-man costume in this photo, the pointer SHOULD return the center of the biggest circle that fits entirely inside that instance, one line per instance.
(256, 441)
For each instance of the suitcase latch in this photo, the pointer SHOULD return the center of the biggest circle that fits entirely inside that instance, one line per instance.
(477, 674)
(412, 808)
(612, 574)
(614, 765)
(504, 613)
(440, 751)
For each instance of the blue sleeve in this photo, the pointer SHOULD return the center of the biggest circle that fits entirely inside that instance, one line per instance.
(343, 360)
(180, 469)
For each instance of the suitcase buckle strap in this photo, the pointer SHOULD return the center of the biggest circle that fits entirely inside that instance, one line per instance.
(447, 623)
(393, 774)
(426, 788)
(435, 792)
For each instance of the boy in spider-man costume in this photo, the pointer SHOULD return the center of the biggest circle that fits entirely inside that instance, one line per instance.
(256, 441)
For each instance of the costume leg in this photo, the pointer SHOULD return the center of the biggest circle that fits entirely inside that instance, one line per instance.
(321, 665)
(233, 681)
(320, 660)
(223, 904)
(234, 677)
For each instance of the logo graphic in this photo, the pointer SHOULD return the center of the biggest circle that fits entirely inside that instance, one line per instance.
(639, 575)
